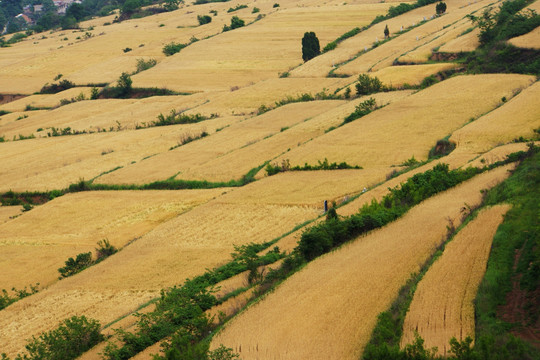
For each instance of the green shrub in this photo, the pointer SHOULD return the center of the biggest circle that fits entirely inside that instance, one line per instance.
(255, 10)
(368, 85)
(74, 266)
(361, 110)
(143, 65)
(56, 88)
(104, 250)
(71, 338)
(238, 7)
(204, 19)
(6, 299)
(442, 148)
(172, 48)
(171, 5)
(236, 23)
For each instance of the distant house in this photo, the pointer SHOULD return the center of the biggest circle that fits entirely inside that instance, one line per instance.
(38, 8)
(26, 19)
(61, 6)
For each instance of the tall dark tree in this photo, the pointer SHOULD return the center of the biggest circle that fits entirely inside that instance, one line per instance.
(386, 32)
(77, 11)
(440, 8)
(310, 46)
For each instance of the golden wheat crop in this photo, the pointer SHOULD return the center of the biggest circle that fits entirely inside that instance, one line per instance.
(530, 40)
(495, 128)
(256, 52)
(53, 163)
(234, 137)
(443, 304)
(411, 126)
(463, 43)
(423, 53)
(47, 101)
(360, 280)
(409, 74)
(179, 248)
(239, 161)
(348, 49)
(385, 54)
(51, 232)
(8, 212)
(97, 115)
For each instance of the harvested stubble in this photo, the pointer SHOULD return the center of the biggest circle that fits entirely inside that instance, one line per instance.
(411, 126)
(409, 74)
(180, 248)
(443, 304)
(518, 117)
(37, 243)
(96, 115)
(303, 318)
(32, 165)
(530, 40)
(238, 162)
(385, 54)
(197, 153)
(47, 100)
(464, 43)
(256, 52)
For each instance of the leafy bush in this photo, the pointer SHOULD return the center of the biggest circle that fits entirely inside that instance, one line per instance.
(236, 23)
(104, 250)
(322, 165)
(238, 7)
(321, 238)
(442, 148)
(368, 85)
(310, 46)
(204, 19)
(74, 266)
(171, 5)
(6, 299)
(125, 84)
(56, 88)
(361, 110)
(143, 65)
(172, 48)
(71, 338)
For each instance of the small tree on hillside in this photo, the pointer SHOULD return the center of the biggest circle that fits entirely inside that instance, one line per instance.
(204, 19)
(440, 8)
(310, 46)
(386, 32)
(125, 84)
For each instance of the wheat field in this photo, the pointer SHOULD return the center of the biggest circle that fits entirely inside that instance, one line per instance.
(361, 279)
(463, 43)
(51, 232)
(411, 126)
(234, 137)
(443, 304)
(409, 74)
(53, 163)
(182, 247)
(385, 54)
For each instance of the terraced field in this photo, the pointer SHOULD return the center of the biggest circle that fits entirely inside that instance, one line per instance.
(443, 307)
(360, 279)
(260, 105)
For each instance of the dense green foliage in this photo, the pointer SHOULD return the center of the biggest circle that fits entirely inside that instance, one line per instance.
(84, 260)
(440, 8)
(361, 109)
(237, 7)
(236, 23)
(56, 88)
(494, 54)
(70, 339)
(442, 148)
(368, 85)
(310, 46)
(493, 340)
(323, 237)
(180, 310)
(272, 169)
(204, 19)
(172, 48)
(11, 198)
(515, 256)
